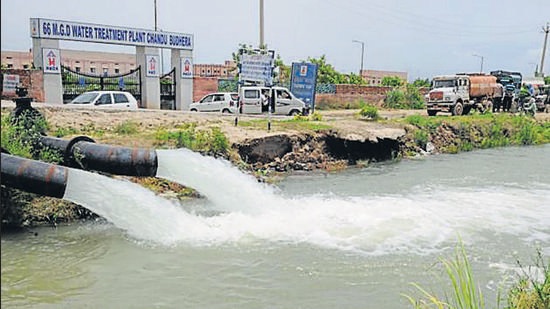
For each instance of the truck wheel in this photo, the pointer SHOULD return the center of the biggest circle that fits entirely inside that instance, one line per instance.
(432, 112)
(294, 112)
(457, 109)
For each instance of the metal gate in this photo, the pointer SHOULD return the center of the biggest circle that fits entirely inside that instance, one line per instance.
(75, 83)
(168, 90)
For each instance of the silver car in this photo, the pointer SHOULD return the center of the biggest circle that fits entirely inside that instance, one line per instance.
(225, 102)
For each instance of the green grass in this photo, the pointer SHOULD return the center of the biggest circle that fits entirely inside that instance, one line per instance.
(126, 128)
(530, 291)
(465, 293)
(21, 137)
(211, 141)
(479, 130)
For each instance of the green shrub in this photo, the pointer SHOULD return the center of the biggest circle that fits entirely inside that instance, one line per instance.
(530, 292)
(312, 117)
(421, 138)
(316, 116)
(369, 111)
(407, 97)
(413, 98)
(127, 128)
(21, 137)
(211, 141)
(395, 99)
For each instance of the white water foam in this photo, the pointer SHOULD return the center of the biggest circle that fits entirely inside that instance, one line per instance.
(419, 222)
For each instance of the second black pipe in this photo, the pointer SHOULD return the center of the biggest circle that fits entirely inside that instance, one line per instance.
(82, 152)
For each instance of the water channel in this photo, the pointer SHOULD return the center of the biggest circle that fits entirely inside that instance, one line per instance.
(351, 239)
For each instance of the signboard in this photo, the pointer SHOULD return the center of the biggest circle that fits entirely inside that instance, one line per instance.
(51, 60)
(303, 82)
(257, 68)
(10, 82)
(85, 32)
(153, 65)
(186, 67)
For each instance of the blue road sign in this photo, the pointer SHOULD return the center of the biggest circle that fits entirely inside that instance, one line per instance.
(303, 82)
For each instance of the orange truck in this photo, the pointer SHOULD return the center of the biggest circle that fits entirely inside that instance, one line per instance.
(460, 93)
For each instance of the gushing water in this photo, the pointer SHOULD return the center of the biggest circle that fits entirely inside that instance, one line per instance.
(136, 210)
(421, 220)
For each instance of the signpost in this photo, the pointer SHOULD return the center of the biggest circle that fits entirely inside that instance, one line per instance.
(303, 82)
(257, 68)
(10, 83)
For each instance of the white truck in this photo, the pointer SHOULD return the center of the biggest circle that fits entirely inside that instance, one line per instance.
(257, 99)
(459, 93)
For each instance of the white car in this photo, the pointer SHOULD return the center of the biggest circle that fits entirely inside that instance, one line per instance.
(225, 102)
(105, 99)
(256, 100)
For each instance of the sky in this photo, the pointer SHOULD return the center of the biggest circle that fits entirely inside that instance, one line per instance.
(421, 37)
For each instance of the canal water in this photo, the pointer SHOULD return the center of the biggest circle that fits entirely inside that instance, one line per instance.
(351, 239)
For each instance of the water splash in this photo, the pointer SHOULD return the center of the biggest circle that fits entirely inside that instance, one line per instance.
(421, 220)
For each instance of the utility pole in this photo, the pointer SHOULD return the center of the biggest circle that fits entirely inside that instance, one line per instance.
(161, 51)
(481, 69)
(546, 30)
(261, 24)
(155, 15)
(362, 55)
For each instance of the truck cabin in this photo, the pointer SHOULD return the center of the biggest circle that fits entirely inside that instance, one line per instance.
(449, 82)
(506, 78)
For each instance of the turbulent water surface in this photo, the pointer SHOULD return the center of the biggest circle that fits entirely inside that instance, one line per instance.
(353, 239)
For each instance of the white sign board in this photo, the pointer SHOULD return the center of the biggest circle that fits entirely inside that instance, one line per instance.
(257, 68)
(153, 65)
(10, 82)
(186, 67)
(51, 60)
(77, 31)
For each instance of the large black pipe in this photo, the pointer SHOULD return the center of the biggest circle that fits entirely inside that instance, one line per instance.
(34, 176)
(82, 152)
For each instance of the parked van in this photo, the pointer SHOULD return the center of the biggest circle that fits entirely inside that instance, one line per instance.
(256, 100)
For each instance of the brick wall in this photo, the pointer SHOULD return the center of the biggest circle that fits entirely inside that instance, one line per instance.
(203, 86)
(361, 90)
(33, 80)
(351, 96)
(346, 95)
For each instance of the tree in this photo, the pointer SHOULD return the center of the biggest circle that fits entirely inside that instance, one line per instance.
(547, 80)
(419, 83)
(392, 81)
(326, 74)
(283, 72)
(237, 56)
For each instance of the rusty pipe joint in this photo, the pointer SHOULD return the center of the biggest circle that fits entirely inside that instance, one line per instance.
(82, 152)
